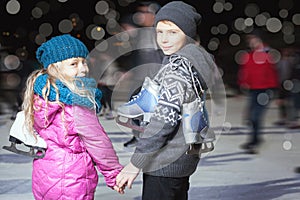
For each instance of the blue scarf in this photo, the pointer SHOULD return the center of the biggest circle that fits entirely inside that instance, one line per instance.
(65, 94)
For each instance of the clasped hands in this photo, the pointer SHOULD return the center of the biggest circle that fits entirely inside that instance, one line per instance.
(126, 177)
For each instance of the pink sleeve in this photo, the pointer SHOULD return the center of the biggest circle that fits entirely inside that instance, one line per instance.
(97, 144)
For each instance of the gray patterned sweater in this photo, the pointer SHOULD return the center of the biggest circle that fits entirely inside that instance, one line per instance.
(161, 150)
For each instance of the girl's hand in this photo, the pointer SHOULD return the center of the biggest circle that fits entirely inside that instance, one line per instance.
(127, 176)
(118, 189)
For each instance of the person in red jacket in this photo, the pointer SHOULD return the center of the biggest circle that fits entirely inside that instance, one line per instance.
(258, 76)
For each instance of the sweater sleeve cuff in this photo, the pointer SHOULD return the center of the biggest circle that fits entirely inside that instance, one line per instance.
(140, 160)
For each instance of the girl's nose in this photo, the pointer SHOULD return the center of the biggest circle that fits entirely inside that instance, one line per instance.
(83, 68)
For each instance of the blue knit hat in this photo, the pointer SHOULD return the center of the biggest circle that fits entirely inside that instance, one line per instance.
(60, 48)
(183, 15)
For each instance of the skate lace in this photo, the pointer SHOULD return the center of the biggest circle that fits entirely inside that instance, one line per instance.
(135, 97)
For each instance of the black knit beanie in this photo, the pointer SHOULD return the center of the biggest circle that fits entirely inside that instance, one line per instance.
(183, 15)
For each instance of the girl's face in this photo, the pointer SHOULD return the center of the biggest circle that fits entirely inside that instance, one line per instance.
(75, 67)
(170, 37)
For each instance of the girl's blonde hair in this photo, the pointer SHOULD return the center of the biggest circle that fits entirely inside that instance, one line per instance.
(54, 73)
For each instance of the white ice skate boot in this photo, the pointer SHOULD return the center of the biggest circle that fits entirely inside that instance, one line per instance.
(141, 106)
(19, 134)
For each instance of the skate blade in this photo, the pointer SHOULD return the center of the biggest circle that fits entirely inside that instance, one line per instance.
(200, 148)
(129, 124)
(207, 147)
(40, 153)
(137, 116)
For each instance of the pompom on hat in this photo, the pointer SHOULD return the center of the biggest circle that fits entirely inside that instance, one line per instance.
(183, 15)
(60, 48)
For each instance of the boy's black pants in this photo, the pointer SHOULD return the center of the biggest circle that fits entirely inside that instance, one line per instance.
(165, 188)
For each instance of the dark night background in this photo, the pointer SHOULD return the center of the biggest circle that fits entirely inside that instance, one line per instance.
(18, 31)
(24, 23)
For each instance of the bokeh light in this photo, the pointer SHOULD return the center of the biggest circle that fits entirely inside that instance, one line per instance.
(22, 53)
(283, 13)
(13, 7)
(37, 13)
(39, 39)
(112, 27)
(252, 10)
(112, 14)
(213, 44)
(259, 57)
(13, 80)
(288, 85)
(239, 24)
(287, 145)
(214, 30)
(223, 28)
(11, 62)
(229, 22)
(46, 29)
(218, 7)
(228, 6)
(234, 39)
(296, 19)
(101, 46)
(89, 29)
(260, 20)
(241, 57)
(102, 7)
(65, 26)
(44, 6)
(273, 25)
(227, 127)
(289, 39)
(274, 56)
(288, 28)
(263, 99)
(248, 21)
(97, 33)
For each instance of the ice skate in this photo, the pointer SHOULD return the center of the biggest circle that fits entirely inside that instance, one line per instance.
(140, 107)
(19, 134)
(204, 146)
(196, 128)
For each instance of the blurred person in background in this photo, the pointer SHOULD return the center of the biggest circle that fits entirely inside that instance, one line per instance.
(284, 68)
(295, 89)
(106, 84)
(25, 69)
(295, 92)
(14, 73)
(149, 59)
(259, 78)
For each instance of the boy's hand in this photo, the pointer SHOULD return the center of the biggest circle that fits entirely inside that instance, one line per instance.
(127, 176)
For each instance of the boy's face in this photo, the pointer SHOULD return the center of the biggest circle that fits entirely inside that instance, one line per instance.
(170, 37)
(75, 67)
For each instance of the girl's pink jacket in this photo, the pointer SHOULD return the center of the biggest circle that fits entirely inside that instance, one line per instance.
(76, 143)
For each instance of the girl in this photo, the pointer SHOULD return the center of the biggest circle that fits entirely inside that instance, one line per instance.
(60, 103)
